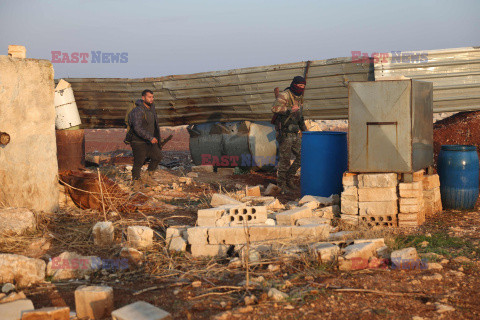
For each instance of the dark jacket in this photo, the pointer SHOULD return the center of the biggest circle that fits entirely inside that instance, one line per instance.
(138, 122)
(286, 120)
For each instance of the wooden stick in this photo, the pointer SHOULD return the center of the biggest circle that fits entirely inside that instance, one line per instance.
(101, 194)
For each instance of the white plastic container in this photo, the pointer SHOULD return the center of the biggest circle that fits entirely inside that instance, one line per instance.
(66, 110)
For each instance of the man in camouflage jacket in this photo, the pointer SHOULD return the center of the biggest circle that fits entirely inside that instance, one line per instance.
(288, 109)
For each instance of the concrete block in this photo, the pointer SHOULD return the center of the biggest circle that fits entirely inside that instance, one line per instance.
(275, 205)
(249, 215)
(219, 199)
(325, 251)
(380, 220)
(226, 171)
(312, 220)
(349, 207)
(377, 194)
(16, 51)
(134, 257)
(16, 221)
(272, 190)
(378, 208)
(438, 206)
(140, 310)
(209, 217)
(350, 179)
(311, 232)
(405, 193)
(103, 233)
(238, 235)
(417, 185)
(377, 180)
(407, 224)
(197, 235)
(432, 194)
(139, 236)
(13, 310)
(410, 201)
(192, 175)
(341, 236)
(29, 165)
(52, 313)
(322, 201)
(363, 250)
(289, 217)
(209, 250)
(406, 255)
(21, 270)
(312, 205)
(418, 175)
(349, 193)
(408, 217)
(350, 219)
(431, 182)
(329, 211)
(94, 302)
(411, 208)
(253, 192)
(205, 168)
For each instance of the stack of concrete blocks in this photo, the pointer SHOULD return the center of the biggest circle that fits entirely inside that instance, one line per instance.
(431, 194)
(370, 198)
(412, 208)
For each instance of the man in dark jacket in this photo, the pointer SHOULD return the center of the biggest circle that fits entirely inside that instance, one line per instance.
(288, 108)
(145, 137)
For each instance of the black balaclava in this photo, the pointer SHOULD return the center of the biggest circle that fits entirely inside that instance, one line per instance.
(295, 90)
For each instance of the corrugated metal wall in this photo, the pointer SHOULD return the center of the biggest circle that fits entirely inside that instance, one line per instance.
(455, 74)
(247, 94)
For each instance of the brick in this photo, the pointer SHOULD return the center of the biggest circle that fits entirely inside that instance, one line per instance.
(13, 310)
(94, 302)
(406, 193)
(237, 235)
(289, 217)
(377, 194)
(16, 51)
(380, 220)
(350, 219)
(378, 208)
(253, 192)
(408, 216)
(377, 180)
(431, 182)
(209, 250)
(411, 208)
(174, 238)
(103, 233)
(350, 179)
(219, 199)
(139, 236)
(206, 168)
(52, 313)
(311, 232)
(312, 220)
(410, 201)
(418, 185)
(349, 207)
(349, 193)
(197, 235)
(140, 310)
(418, 175)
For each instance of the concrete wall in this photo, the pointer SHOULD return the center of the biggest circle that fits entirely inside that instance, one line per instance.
(28, 164)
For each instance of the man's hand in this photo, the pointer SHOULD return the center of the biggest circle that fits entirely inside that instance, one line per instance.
(154, 141)
(295, 108)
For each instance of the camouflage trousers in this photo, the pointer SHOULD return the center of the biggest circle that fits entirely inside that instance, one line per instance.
(288, 144)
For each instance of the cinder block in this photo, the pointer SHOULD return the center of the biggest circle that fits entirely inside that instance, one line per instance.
(219, 199)
(174, 238)
(312, 220)
(238, 235)
(432, 194)
(410, 201)
(13, 310)
(411, 208)
(411, 193)
(350, 179)
(139, 236)
(377, 180)
(325, 251)
(350, 193)
(52, 313)
(429, 206)
(316, 232)
(431, 182)
(378, 208)
(140, 310)
(15, 51)
(417, 185)
(418, 175)
(103, 233)
(209, 250)
(408, 216)
(350, 219)
(377, 194)
(289, 217)
(197, 235)
(380, 220)
(349, 207)
(312, 205)
(407, 224)
(363, 250)
(94, 302)
(249, 215)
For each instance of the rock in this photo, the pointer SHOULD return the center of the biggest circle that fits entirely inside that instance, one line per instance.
(219, 199)
(37, 248)
(7, 287)
(70, 265)
(134, 257)
(272, 190)
(139, 237)
(424, 244)
(270, 222)
(174, 238)
(94, 302)
(140, 310)
(206, 168)
(441, 308)
(250, 300)
(103, 233)
(326, 252)
(52, 313)
(16, 221)
(277, 295)
(462, 259)
(340, 236)
(13, 310)
(363, 250)
(404, 256)
(192, 175)
(14, 296)
(21, 270)
(436, 277)
(434, 266)
(322, 201)
(432, 256)
(273, 267)
(444, 261)
(246, 309)
(311, 220)
(383, 252)
(197, 284)
(235, 263)
(457, 273)
(186, 180)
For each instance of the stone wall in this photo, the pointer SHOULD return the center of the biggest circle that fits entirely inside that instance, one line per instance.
(28, 164)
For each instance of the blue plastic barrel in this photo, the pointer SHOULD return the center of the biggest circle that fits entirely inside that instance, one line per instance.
(324, 160)
(458, 171)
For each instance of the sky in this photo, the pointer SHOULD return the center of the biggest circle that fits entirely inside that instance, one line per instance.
(160, 38)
